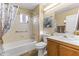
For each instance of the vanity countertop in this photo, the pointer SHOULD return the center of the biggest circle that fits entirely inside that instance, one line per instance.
(70, 39)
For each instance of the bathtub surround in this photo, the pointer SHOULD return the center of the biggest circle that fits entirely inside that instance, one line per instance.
(32, 27)
(12, 35)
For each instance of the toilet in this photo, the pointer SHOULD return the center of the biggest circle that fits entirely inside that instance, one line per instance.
(41, 46)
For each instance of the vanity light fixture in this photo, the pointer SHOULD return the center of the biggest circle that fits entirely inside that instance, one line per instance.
(50, 6)
(54, 7)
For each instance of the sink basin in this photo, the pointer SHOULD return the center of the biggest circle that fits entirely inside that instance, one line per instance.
(73, 39)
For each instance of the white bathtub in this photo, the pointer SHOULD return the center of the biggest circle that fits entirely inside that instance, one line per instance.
(19, 47)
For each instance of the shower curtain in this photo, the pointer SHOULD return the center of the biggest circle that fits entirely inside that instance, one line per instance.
(7, 15)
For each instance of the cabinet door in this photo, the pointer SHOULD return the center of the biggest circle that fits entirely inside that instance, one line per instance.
(52, 48)
(67, 51)
(76, 52)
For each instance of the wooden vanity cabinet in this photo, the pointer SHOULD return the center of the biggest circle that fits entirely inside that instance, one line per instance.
(55, 48)
(67, 51)
(52, 48)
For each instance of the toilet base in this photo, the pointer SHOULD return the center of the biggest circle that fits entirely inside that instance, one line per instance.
(40, 52)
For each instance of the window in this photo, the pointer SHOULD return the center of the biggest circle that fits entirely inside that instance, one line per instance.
(23, 18)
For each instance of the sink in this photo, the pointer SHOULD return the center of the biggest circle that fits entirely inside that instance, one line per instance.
(73, 39)
(66, 36)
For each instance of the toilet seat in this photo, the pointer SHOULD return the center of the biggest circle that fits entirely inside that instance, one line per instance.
(40, 45)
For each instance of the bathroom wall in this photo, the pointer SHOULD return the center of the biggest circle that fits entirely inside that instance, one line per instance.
(41, 19)
(60, 17)
(12, 35)
(37, 22)
(35, 26)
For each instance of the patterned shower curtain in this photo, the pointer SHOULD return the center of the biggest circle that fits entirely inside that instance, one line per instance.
(7, 15)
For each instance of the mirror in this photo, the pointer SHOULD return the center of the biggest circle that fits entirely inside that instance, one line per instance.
(49, 24)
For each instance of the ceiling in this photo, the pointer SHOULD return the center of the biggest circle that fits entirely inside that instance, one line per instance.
(68, 7)
(31, 6)
(63, 7)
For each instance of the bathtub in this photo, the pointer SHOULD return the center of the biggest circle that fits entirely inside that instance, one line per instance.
(19, 47)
